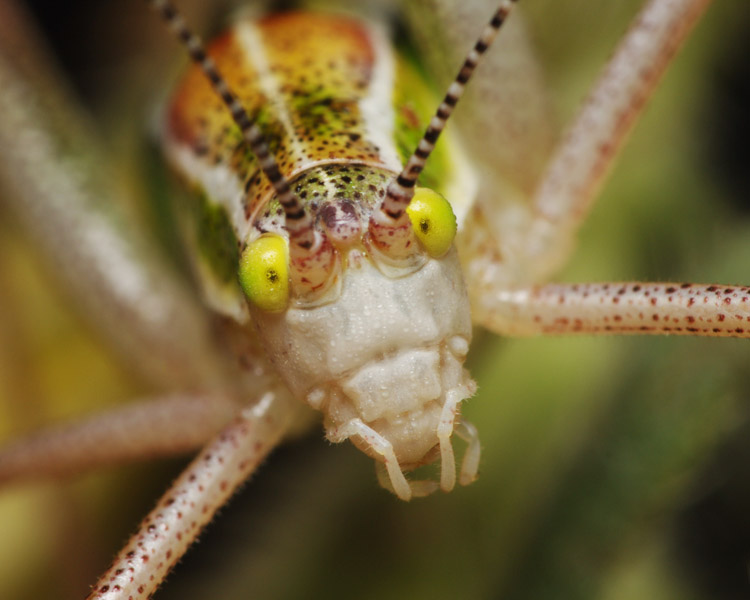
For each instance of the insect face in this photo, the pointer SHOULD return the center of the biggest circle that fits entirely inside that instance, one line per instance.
(382, 340)
(383, 348)
(356, 291)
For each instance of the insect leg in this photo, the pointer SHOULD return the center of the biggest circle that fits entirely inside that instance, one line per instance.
(154, 427)
(630, 308)
(582, 160)
(205, 486)
(71, 202)
(511, 244)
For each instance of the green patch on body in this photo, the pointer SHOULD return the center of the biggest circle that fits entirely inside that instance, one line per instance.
(414, 104)
(265, 116)
(215, 238)
(322, 112)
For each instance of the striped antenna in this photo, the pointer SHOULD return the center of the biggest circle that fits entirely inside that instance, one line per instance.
(298, 222)
(401, 190)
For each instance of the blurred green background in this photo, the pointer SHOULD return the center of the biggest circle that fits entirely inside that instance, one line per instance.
(613, 468)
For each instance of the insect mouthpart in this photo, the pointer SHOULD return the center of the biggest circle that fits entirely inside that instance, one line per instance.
(406, 404)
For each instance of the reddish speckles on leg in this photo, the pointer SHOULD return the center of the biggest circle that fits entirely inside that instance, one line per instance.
(593, 309)
(206, 484)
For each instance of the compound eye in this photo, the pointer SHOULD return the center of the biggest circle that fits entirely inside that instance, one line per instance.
(433, 221)
(264, 273)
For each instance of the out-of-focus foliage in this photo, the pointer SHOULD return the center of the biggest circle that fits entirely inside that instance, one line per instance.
(613, 468)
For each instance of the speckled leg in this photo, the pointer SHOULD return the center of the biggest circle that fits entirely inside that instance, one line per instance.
(191, 502)
(578, 168)
(617, 308)
(155, 427)
(512, 242)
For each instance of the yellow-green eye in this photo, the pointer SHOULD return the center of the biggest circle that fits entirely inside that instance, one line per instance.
(264, 272)
(433, 221)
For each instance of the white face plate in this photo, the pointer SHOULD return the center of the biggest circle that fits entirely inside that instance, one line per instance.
(374, 318)
(387, 351)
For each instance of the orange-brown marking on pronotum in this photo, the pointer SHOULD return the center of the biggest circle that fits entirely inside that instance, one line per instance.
(301, 77)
